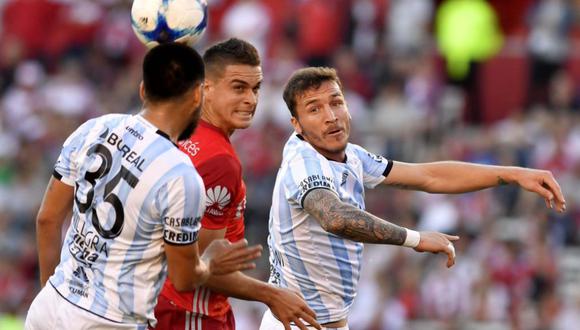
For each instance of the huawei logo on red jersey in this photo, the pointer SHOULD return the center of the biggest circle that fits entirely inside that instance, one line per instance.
(217, 198)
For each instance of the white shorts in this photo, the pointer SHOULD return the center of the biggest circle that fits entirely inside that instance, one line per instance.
(269, 322)
(50, 311)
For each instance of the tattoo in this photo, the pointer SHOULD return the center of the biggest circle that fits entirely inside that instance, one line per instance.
(501, 181)
(350, 222)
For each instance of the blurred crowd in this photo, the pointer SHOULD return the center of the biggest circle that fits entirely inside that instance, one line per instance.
(420, 83)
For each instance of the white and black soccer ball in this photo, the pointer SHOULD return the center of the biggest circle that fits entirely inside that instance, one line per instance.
(161, 21)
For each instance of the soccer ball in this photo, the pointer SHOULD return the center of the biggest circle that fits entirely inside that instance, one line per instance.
(161, 21)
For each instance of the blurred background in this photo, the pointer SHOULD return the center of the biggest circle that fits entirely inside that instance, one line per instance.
(493, 82)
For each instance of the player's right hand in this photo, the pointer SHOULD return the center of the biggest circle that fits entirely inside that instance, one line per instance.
(438, 242)
(288, 306)
(223, 257)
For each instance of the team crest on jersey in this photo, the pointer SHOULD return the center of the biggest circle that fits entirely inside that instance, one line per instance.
(240, 209)
(344, 177)
(376, 157)
(217, 198)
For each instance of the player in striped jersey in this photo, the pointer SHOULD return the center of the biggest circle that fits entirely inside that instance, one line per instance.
(136, 205)
(317, 220)
(231, 87)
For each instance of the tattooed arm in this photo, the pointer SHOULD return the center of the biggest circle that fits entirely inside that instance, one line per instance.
(347, 221)
(451, 177)
(350, 222)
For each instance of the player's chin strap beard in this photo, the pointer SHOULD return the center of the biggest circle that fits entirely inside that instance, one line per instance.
(190, 128)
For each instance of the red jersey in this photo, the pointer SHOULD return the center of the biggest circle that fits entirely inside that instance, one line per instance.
(216, 162)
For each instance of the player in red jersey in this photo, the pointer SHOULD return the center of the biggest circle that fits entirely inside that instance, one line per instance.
(233, 78)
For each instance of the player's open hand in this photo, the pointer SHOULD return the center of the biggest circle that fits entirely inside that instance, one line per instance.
(438, 242)
(543, 184)
(289, 307)
(224, 257)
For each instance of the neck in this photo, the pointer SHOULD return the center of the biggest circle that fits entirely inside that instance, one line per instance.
(339, 157)
(208, 115)
(166, 117)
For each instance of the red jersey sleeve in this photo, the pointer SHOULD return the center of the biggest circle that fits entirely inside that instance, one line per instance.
(222, 176)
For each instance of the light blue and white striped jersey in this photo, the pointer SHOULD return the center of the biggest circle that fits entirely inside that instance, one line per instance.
(303, 256)
(134, 192)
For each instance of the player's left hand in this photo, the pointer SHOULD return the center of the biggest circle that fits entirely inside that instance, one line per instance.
(289, 307)
(224, 257)
(542, 183)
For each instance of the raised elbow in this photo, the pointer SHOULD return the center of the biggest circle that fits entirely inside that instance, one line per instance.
(43, 219)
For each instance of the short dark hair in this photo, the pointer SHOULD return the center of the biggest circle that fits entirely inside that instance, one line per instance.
(230, 52)
(170, 70)
(305, 79)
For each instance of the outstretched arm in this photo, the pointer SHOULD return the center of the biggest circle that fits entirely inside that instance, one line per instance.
(347, 221)
(452, 177)
(286, 305)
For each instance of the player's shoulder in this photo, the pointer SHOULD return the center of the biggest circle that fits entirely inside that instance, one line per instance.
(219, 165)
(109, 120)
(177, 156)
(205, 143)
(92, 128)
(359, 152)
(175, 165)
(355, 150)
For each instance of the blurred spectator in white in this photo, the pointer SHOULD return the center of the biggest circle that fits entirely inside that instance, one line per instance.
(550, 22)
(567, 317)
(22, 103)
(248, 20)
(408, 26)
(68, 93)
(394, 119)
(271, 106)
(446, 294)
(423, 88)
(366, 19)
(438, 213)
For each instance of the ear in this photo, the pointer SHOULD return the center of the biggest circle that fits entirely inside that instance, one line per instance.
(142, 91)
(207, 84)
(296, 125)
(198, 94)
(208, 87)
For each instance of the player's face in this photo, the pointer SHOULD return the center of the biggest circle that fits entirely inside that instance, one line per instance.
(231, 100)
(323, 119)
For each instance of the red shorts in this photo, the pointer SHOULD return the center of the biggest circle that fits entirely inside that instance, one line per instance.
(171, 317)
